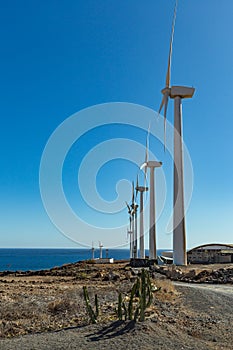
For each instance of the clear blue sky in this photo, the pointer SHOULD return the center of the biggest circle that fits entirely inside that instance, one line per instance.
(58, 57)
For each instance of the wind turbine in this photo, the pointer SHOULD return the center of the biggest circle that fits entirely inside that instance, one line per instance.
(134, 207)
(130, 232)
(93, 251)
(177, 93)
(141, 189)
(101, 249)
(152, 230)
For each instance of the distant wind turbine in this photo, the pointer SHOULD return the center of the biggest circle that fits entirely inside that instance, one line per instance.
(177, 93)
(152, 230)
(101, 250)
(134, 207)
(93, 251)
(141, 189)
(130, 232)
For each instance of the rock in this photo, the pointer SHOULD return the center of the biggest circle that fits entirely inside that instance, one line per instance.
(111, 276)
(158, 276)
(99, 275)
(176, 274)
(190, 275)
(128, 275)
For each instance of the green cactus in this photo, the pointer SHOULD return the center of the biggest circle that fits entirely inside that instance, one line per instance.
(143, 296)
(93, 315)
(134, 292)
(125, 310)
(119, 310)
(136, 313)
(96, 306)
(149, 292)
(136, 308)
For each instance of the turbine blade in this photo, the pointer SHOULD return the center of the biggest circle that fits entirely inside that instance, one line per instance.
(143, 166)
(137, 187)
(128, 206)
(166, 96)
(164, 136)
(145, 177)
(133, 199)
(168, 75)
(147, 144)
(161, 106)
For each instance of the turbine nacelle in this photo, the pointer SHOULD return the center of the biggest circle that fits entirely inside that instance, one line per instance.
(166, 91)
(181, 91)
(152, 164)
(141, 188)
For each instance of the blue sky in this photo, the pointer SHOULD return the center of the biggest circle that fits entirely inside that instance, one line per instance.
(59, 57)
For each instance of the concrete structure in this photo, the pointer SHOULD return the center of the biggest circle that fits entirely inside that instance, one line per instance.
(211, 254)
(103, 261)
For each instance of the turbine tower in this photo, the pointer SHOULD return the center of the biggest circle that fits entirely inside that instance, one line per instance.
(152, 230)
(141, 189)
(177, 93)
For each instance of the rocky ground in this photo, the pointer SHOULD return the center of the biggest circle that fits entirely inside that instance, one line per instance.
(217, 274)
(46, 309)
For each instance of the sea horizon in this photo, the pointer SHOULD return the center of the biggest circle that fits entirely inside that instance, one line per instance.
(25, 259)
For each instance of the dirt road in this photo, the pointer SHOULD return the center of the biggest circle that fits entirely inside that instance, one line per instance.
(218, 288)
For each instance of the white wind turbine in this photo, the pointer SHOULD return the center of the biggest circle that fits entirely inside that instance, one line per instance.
(93, 251)
(134, 207)
(130, 230)
(101, 249)
(152, 229)
(177, 93)
(141, 189)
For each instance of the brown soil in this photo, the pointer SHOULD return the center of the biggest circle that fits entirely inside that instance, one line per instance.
(46, 310)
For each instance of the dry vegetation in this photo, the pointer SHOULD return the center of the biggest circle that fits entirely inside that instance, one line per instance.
(31, 304)
(37, 303)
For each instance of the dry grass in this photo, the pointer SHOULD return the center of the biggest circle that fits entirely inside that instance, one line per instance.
(60, 306)
(166, 292)
(43, 303)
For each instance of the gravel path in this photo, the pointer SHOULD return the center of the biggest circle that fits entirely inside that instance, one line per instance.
(218, 288)
(204, 321)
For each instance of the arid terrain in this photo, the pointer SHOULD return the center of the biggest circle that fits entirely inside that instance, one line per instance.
(46, 309)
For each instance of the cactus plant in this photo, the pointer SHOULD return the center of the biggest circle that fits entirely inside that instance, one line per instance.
(119, 311)
(96, 306)
(143, 296)
(140, 299)
(125, 310)
(93, 315)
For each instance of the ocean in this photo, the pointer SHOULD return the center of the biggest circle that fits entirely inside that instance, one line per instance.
(15, 259)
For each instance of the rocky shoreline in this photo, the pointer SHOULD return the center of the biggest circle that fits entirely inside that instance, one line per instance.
(216, 274)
